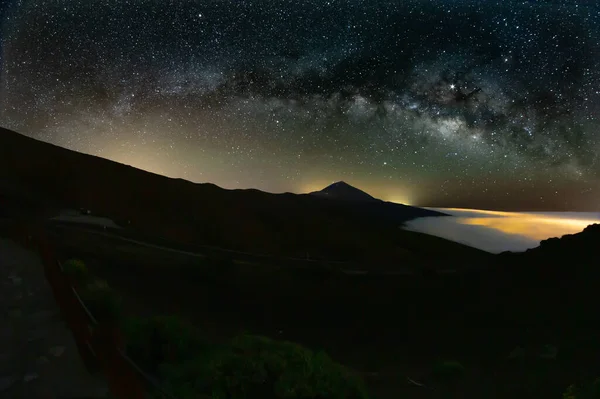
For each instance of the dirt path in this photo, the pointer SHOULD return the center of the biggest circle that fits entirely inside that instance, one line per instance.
(38, 355)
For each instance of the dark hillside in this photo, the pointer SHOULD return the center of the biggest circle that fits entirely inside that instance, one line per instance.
(248, 220)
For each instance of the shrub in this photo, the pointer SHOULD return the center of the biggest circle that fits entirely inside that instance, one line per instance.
(154, 341)
(76, 269)
(448, 370)
(253, 366)
(102, 302)
(245, 367)
(591, 391)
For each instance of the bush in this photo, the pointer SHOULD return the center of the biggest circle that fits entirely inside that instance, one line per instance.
(591, 391)
(253, 367)
(448, 370)
(154, 341)
(101, 301)
(245, 367)
(76, 269)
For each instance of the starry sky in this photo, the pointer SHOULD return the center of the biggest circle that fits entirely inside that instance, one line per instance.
(455, 103)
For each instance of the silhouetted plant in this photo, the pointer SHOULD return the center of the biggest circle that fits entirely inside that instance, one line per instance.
(103, 303)
(591, 391)
(160, 339)
(77, 270)
(448, 370)
(254, 366)
(245, 367)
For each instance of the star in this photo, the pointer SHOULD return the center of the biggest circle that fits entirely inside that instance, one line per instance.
(278, 98)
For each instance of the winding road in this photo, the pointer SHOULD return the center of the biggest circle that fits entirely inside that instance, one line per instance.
(238, 257)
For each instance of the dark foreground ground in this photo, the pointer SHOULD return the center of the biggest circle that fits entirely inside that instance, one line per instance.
(38, 355)
(390, 328)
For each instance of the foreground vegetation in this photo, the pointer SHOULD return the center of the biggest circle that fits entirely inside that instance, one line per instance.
(546, 297)
(246, 366)
(189, 365)
(526, 329)
(587, 391)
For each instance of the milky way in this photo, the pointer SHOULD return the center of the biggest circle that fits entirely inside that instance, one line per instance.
(447, 103)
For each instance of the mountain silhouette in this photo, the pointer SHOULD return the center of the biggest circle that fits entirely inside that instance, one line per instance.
(344, 191)
(582, 246)
(50, 178)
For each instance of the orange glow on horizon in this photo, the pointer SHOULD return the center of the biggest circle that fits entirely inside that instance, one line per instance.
(534, 226)
(399, 200)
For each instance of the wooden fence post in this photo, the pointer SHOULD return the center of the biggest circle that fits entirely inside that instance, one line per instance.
(101, 345)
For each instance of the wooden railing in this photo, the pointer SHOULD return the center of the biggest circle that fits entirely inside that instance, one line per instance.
(101, 345)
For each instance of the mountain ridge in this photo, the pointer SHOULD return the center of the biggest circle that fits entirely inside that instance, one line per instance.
(556, 249)
(341, 190)
(245, 220)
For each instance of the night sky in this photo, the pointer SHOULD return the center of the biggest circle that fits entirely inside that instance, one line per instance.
(478, 104)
